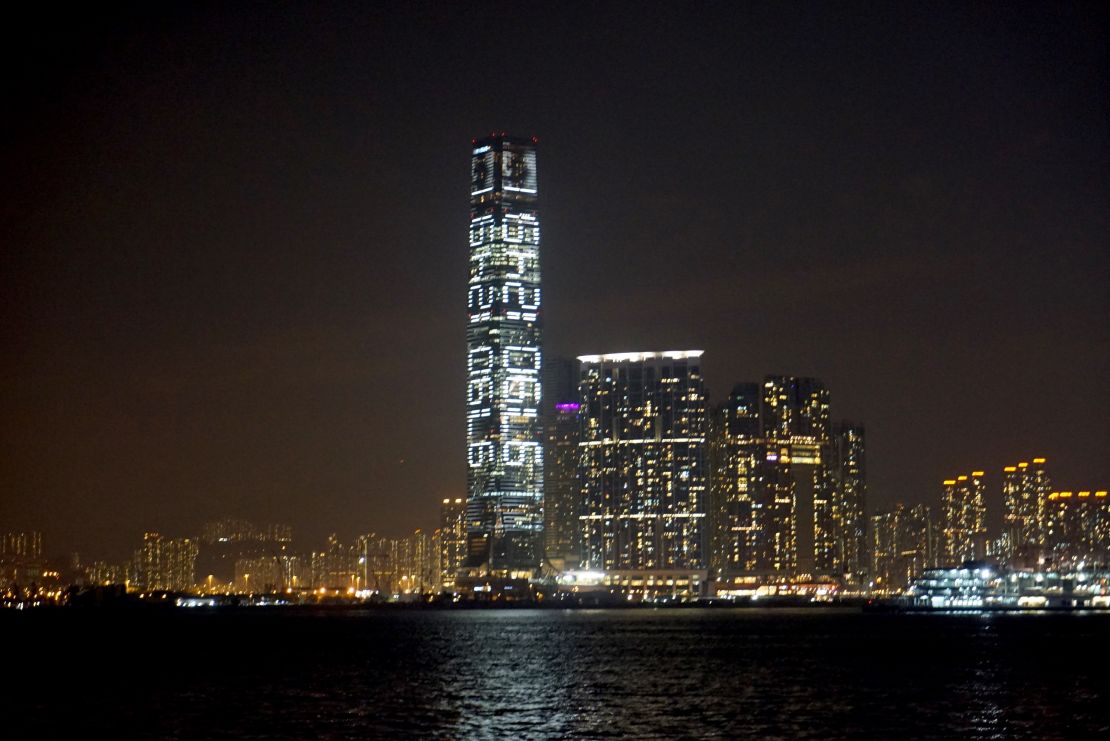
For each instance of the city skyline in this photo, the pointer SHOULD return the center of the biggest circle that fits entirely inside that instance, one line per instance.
(235, 307)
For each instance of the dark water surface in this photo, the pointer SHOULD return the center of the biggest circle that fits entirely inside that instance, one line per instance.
(551, 674)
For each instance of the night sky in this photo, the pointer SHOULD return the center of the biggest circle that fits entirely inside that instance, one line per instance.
(234, 240)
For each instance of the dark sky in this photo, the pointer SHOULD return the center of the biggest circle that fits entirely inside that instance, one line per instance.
(234, 239)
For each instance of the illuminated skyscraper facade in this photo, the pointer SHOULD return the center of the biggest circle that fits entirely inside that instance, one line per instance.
(903, 545)
(21, 557)
(788, 488)
(798, 520)
(1077, 527)
(964, 514)
(452, 540)
(562, 496)
(165, 563)
(562, 493)
(643, 461)
(504, 431)
(21, 545)
(736, 453)
(849, 497)
(1025, 490)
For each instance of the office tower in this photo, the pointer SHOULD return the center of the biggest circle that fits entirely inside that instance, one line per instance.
(795, 408)
(504, 433)
(849, 497)
(736, 452)
(964, 513)
(562, 493)
(452, 540)
(642, 461)
(1077, 527)
(798, 521)
(165, 564)
(1025, 490)
(560, 382)
(902, 546)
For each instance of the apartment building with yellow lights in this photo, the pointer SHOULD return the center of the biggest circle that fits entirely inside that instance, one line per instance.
(964, 519)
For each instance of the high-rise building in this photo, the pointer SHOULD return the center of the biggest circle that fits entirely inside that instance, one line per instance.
(1077, 527)
(643, 461)
(562, 497)
(452, 540)
(562, 492)
(736, 453)
(165, 564)
(560, 382)
(797, 507)
(376, 563)
(1025, 490)
(336, 568)
(21, 559)
(788, 489)
(415, 565)
(223, 543)
(964, 514)
(23, 545)
(903, 545)
(504, 433)
(849, 500)
(101, 573)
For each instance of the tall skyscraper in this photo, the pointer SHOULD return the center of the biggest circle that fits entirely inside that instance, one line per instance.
(560, 382)
(964, 512)
(1025, 490)
(643, 461)
(21, 545)
(452, 540)
(849, 499)
(165, 563)
(903, 545)
(798, 503)
(789, 489)
(503, 364)
(336, 568)
(1077, 527)
(562, 494)
(736, 454)
(21, 557)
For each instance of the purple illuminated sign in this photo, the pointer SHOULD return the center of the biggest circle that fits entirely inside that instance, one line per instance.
(568, 407)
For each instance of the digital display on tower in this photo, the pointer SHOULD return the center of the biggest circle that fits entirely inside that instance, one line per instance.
(518, 169)
(482, 170)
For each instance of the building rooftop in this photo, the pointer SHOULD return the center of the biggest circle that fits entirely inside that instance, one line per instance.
(637, 357)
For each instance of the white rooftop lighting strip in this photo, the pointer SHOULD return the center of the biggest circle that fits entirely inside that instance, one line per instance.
(637, 357)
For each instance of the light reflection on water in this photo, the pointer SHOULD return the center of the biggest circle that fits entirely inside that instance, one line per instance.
(553, 674)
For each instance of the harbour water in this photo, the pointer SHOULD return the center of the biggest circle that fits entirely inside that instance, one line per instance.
(670, 673)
